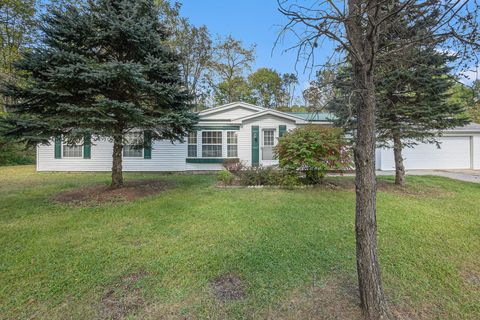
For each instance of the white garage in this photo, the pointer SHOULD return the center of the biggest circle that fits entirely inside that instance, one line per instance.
(459, 149)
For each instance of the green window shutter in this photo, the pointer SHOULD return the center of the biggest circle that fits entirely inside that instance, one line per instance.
(147, 144)
(58, 147)
(87, 146)
(282, 129)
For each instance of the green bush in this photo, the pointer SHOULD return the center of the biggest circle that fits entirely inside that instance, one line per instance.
(314, 150)
(267, 176)
(226, 177)
(13, 153)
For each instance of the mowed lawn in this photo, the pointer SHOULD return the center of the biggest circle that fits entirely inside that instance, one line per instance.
(291, 253)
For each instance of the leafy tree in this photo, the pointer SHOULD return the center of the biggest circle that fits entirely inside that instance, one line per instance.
(17, 23)
(102, 68)
(289, 83)
(313, 150)
(230, 60)
(236, 89)
(195, 49)
(266, 86)
(468, 97)
(320, 91)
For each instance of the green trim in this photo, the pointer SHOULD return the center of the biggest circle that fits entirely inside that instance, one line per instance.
(87, 146)
(147, 144)
(207, 160)
(217, 128)
(282, 129)
(255, 146)
(58, 147)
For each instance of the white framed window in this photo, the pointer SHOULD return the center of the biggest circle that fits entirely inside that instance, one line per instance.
(232, 144)
(133, 147)
(72, 151)
(211, 144)
(192, 144)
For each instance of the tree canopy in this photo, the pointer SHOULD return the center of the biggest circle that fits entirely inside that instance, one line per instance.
(102, 68)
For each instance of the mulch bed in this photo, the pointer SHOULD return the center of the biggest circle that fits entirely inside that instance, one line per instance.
(99, 194)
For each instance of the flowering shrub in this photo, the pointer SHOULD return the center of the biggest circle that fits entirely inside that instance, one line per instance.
(314, 150)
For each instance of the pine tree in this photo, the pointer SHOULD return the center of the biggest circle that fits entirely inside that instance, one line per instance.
(102, 69)
(413, 104)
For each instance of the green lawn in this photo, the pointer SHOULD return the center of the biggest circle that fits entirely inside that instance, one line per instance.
(156, 257)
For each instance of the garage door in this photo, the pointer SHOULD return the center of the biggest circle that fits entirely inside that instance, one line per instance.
(454, 153)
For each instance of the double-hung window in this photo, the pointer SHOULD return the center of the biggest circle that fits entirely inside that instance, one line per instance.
(192, 144)
(72, 150)
(133, 146)
(211, 144)
(232, 144)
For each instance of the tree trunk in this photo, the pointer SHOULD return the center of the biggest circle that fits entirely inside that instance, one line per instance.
(399, 168)
(117, 173)
(372, 297)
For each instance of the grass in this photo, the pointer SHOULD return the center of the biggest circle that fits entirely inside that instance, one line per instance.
(61, 262)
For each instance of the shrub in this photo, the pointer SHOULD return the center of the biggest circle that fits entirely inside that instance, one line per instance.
(288, 179)
(15, 153)
(233, 165)
(314, 150)
(226, 177)
(267, 176)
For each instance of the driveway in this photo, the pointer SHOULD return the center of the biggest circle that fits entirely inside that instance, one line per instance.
(463, 175)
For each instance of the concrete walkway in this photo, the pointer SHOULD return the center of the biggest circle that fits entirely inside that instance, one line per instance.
(463, 175)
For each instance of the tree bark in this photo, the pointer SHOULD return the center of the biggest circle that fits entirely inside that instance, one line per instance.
(117, 172)
(399, 167)
(372, 297)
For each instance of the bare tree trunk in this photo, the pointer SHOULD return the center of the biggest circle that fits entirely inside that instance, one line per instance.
(117, 173)
(399, 167)
(372, 297)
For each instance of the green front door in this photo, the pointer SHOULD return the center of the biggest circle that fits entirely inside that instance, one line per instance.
(255, 145)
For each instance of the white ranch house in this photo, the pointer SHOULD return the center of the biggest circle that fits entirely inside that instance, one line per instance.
(247, 132)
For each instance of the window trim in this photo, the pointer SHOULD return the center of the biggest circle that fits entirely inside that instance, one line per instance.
(124, 145)
(195, 133)
(80, 144)
(274, 136)
(232, 144)
(212, 144)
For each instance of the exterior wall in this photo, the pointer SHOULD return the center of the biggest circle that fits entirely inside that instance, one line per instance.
(476, 151)
(458, 151)
(230, 114)
(165, 157)
(245, 135)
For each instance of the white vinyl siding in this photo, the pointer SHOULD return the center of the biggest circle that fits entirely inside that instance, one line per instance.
(166, 156)
(234, 113)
